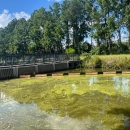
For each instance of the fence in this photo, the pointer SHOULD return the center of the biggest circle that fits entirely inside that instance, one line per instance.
(23, 59)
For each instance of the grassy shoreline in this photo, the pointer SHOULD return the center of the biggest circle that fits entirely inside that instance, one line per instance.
(117, 62)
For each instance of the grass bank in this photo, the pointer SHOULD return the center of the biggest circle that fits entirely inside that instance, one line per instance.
(117, 62)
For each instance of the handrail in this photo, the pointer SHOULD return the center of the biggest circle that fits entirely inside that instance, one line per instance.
(21, 59)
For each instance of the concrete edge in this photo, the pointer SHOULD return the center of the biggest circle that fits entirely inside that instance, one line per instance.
(91, 73)
(75, 74)
(58, 74)
(125, 72)
(109, 72)
(40, 75)
(24, 76)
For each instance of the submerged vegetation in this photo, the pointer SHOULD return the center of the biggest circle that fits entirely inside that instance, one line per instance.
(98, 102)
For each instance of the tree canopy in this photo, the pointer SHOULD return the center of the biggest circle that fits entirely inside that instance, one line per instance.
(68, 25)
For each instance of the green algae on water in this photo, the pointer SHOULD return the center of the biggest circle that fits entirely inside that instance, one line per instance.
(95, 102)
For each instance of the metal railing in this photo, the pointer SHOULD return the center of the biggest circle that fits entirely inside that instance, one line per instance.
(23, 59)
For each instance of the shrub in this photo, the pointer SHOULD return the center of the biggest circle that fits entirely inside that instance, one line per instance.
(69, 50)
(95, 50)
(90, 61)
(116, 62)
(96, 61)
(85, 57)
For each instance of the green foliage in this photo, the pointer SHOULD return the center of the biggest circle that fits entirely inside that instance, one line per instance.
(96, 61)
(95, 50)
(85, 58)
(85, 47)
(68, 25)
(116, 61)
(69, 50)
(92, 61)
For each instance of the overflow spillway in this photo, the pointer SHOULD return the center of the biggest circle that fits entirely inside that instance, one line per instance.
(7, 72)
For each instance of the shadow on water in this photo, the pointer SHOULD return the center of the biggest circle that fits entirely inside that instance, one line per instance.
(122, 84)
(125, 112)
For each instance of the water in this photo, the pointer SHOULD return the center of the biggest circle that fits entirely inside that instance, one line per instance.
(91, 70)
(66, 103)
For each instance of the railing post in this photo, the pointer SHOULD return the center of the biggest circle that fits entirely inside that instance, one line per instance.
(5, 60)
(11, 60)
(42, 58)
(49, 57)
(23, 60)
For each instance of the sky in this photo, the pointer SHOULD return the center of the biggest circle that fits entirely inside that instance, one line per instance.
(10, 9)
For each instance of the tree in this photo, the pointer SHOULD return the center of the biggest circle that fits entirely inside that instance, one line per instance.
(103, 23)
(53, 33)
(36, 25)
(74, 19)
(126, 10)
(19, 40)
(89, 6)
(5, 36)
(66, 22)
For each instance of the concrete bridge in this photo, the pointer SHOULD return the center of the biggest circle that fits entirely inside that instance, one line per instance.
(12, 66)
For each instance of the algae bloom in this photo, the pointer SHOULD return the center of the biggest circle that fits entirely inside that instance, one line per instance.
(67, 103)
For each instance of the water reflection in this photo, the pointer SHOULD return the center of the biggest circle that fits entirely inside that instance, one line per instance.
(16, 116)
(117, 82)
(3, 98)
(126, 120)
(92, 80)
(67, 103)
(121, 84)
(74, 88)
(106, 99)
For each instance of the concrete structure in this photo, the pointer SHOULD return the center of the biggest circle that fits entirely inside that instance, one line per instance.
(7, 72)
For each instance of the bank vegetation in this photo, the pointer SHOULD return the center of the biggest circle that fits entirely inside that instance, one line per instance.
(116, 62)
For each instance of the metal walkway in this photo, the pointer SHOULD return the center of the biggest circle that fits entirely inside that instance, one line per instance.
(23, 59)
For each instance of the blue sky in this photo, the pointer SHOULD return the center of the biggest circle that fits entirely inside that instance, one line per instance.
(10, 9)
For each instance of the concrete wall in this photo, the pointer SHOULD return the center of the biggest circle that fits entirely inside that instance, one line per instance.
(43, 68)
(16, 71)
(6, 73)
(26, 70)
(74, 64)
(61, 66)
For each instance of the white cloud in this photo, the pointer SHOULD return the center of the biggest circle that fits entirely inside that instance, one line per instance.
(6, 17)
(21, 15)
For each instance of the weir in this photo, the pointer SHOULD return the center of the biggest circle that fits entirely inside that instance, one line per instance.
(12, 66)
(15, 71)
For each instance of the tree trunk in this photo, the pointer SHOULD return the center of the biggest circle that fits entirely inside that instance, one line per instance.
(129, 36)
(110, 44)
(67, 36)
(119, 40)
(91, 38)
